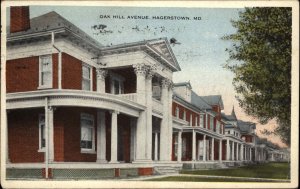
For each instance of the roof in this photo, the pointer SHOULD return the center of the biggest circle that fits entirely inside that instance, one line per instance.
(159, 46)
(228, 117)
(245, 126)
(186, 83)
(53, 21)
(214, 100)
(199, 102)
(184, 102)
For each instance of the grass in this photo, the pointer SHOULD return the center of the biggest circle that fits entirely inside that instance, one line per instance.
(198, 179)
(268, 170)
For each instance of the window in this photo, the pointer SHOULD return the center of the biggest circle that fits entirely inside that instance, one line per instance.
(45, 71)
(42, 139)
(196, 120)
(86, 77)
(184, 115)
(217, 126)
(175, 146)
(177, 112)
(191, 119)
(117, 84)
(211, 123)
(202, 121)
(183, 148)
(87, 142)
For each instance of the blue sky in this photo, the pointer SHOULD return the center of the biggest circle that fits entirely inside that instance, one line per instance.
(201, 53)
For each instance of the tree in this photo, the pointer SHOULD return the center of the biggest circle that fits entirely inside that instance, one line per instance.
(260, 58)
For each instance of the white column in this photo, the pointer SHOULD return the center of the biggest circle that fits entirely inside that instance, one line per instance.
(7, 147)
(164, 130)
(232, 152)
(170, 119)
(212, 149)
(59, 70)
(140, 71)
(242, 152)
(227, 150)
(132, 139)
(149, 114)
(101, 74)
(179, 149)
(46, 156)
(194, 146)
(220, 150)
(101, 137)
(141, 129)
(156, 146)
(114, 137)
(51, 134)
(204, 147)
(237, 151)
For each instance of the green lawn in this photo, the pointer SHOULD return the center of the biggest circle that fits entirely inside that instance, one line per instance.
(197, 179)
(268, 170)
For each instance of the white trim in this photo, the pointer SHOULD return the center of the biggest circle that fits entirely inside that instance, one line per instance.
(42, 149)
(45, 86)
(88, 117)
(91, 76)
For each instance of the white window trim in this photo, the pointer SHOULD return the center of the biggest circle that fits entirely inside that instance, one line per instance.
(91, 118)
(201, 121)
(41, 149)
(177, 112)
(91, 75)
(40, 73)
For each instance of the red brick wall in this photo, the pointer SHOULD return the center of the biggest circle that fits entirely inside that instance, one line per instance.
(72, 130)
(22, 74)
(145, 171)
(55, 71)
(223, 150)
(124, 130)
(23, 136)
(71, 72)
(188, 113)
(216, 150)
(19, 19)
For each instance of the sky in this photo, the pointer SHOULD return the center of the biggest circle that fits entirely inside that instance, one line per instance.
(201, 53)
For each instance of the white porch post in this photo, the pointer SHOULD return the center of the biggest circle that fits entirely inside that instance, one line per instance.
(101, 74)
(227, 149)
(242, 152)
(46, 155)
(59, 70)
(237, 151)
(164, 130)
(149, 113)
(51, 134)
(204, 147)
(7, 147)
(141, 129)
(220, 150)
(156, 146)
(114, 137)
(170, 119)
(194, 146)
(101, 137)
(132, 139)
(212, 149)
(179, 148)
(232, 152)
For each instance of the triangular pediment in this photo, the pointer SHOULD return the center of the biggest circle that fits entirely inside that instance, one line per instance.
(163, 47)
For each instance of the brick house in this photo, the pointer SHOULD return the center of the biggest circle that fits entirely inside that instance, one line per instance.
(76, 108)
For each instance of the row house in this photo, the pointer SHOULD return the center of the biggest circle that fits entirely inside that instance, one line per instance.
(76, 108)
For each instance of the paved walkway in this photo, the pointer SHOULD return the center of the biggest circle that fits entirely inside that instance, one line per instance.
(145, 178)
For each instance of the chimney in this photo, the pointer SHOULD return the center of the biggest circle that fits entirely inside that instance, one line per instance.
(19, 19)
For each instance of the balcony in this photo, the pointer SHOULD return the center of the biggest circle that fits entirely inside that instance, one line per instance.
(129, 96)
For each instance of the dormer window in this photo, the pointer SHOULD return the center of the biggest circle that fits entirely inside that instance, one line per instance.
(86, 77)
(45, 71)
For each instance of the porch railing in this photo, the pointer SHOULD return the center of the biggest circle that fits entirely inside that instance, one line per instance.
(129, 96)
(157, 105)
